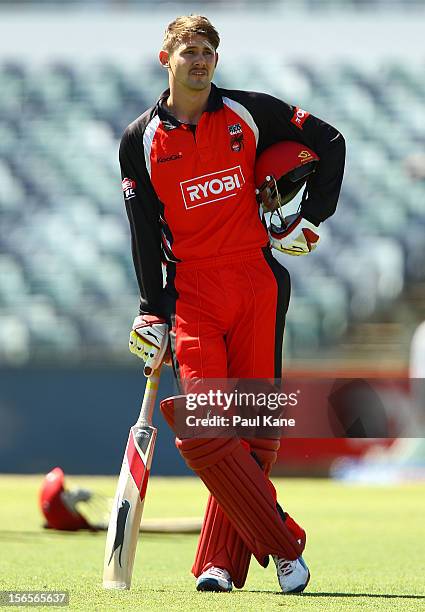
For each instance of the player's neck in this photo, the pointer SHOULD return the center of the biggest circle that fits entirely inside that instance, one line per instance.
(187, 106)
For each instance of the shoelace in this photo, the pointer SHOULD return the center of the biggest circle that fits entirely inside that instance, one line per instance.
(285, 567)
(217, 571)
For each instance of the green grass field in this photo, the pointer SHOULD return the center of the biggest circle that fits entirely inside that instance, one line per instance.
(365, 550)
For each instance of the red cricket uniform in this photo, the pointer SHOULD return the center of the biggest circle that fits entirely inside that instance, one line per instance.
(190, 199)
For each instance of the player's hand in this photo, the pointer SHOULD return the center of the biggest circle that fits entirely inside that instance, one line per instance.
(149, 341)
(296, 236)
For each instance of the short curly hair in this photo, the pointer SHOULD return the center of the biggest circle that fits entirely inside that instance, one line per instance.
(185, 26)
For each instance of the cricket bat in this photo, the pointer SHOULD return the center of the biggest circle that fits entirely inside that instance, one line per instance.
(127, 509)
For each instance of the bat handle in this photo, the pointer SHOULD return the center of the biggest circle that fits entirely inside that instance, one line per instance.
(148, 403)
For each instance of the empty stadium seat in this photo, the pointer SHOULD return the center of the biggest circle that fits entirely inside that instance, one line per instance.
(65, 261)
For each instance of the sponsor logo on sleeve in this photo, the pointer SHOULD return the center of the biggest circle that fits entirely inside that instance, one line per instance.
(214, 187)
(299, 117)
(128, 187)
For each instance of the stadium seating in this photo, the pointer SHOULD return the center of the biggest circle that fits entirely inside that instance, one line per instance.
(67, 285)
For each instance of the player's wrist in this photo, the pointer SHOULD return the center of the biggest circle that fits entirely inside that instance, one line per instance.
(149, 340)
(145, 319)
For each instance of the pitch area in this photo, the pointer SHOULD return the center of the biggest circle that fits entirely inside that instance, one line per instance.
(365, 550)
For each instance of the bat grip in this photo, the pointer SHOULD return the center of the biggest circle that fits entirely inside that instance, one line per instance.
(149, 397)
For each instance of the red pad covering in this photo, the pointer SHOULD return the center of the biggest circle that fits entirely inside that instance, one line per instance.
(264, 451)
(241, 489)
(219, 544)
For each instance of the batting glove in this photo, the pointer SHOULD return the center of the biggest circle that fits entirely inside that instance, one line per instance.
(295, 236)
(149, 341)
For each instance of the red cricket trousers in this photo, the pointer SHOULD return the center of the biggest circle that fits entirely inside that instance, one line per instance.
(229, 316)
(228, 323)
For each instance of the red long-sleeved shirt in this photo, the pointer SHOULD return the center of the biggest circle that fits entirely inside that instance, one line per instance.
(189, 191)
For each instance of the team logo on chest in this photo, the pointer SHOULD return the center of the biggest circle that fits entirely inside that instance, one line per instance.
(236, 137)
(213, 187)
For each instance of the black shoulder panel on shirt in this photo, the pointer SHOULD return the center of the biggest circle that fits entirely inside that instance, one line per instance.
(138, 126)
(277, 120)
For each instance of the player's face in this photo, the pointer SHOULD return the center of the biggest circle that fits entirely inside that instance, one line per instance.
(193, 62)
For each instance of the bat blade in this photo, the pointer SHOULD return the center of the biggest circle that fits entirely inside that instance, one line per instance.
(127, 509)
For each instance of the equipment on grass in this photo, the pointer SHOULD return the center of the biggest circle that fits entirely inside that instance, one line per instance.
(78, 509)
(172, 525)
(59, 505)
(130, 495)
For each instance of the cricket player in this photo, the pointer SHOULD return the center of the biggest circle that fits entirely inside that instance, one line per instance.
(188, 167)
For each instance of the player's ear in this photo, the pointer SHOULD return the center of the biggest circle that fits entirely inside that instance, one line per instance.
(164, 57)
(216, 59)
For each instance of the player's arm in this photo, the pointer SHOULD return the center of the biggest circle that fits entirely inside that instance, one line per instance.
(149, 334)
(277, 121)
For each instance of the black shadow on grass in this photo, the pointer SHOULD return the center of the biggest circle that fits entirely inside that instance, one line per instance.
(383, 595)
(9, 535)
(375, 595)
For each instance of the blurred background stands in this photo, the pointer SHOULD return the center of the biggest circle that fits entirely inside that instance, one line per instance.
(65, 263)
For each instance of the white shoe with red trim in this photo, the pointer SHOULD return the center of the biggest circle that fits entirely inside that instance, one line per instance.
(214, 579)
(293, 576)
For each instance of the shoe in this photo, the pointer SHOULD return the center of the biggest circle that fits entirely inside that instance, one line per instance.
(293, 576)
(214, 579)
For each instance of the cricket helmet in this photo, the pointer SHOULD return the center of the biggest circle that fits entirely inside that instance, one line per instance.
(58, 505)
(290, 163)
